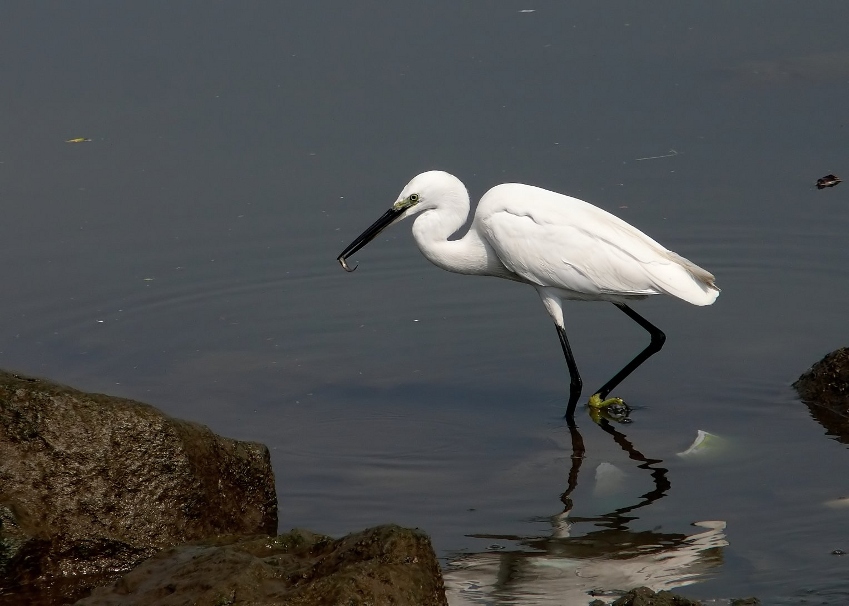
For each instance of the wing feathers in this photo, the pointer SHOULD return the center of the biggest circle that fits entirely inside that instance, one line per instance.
(554, 240)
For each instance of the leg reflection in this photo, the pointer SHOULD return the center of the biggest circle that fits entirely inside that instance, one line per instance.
(658, 474)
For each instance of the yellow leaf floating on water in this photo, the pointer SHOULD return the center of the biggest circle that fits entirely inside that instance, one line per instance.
(78, 140)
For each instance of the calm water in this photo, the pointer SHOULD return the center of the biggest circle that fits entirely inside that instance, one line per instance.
(186, 257)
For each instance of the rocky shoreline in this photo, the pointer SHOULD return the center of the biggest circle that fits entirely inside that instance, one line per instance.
(108, 501)
(105, 500)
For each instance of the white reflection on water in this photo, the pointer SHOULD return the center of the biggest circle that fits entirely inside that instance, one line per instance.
(564, 570)
(567, 567)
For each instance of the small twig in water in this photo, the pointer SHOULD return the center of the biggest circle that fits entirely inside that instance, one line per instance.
(671, 153)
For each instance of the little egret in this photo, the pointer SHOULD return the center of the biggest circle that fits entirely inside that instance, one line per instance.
(566, 248)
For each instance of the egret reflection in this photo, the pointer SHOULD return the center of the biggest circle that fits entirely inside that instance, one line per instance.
(587, 558)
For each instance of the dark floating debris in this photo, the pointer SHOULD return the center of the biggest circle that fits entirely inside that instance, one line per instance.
(828, 181)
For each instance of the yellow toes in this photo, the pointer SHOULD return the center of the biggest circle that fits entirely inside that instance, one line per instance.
(611, 409)
(596, 402)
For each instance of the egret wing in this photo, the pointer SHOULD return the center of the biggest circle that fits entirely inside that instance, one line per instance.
(554, 240)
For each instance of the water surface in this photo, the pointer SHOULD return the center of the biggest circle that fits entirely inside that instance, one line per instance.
(185, 257)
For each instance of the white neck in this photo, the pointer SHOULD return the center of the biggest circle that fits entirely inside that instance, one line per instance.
(470, 254)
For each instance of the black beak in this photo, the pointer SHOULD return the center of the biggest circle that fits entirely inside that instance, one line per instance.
(368, 235)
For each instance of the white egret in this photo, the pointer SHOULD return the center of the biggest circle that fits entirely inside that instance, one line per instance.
(566, 248)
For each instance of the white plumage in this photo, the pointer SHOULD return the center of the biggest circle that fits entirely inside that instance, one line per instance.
(549, 239)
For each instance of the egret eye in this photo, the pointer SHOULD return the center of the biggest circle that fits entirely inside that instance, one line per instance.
(414, 198)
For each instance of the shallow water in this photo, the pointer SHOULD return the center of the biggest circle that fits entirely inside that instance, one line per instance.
(186, 257)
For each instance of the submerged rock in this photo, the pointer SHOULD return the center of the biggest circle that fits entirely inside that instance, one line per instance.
(824, 388)
(382, 565)
(643, 596)
(91, 485)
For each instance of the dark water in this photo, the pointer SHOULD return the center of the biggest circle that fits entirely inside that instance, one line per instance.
(185, 256)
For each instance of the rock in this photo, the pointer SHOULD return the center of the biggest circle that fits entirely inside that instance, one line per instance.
(643, 596)
(91, 485)
(824, 388)
(382, 565)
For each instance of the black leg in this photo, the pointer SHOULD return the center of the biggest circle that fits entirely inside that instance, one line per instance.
(657, 340)
(575, 382)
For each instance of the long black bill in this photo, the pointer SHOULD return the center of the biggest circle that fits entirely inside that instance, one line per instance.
(368, 235)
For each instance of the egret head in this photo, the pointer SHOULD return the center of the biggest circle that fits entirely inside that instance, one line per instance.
(424, 192)
(428, 190)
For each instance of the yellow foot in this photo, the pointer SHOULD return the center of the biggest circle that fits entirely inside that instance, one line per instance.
(611, 409)
(596, 402)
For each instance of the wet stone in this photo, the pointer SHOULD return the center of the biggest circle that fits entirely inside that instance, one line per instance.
(381, 565)
(824, 388)
(643, 596)
(91, 485)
